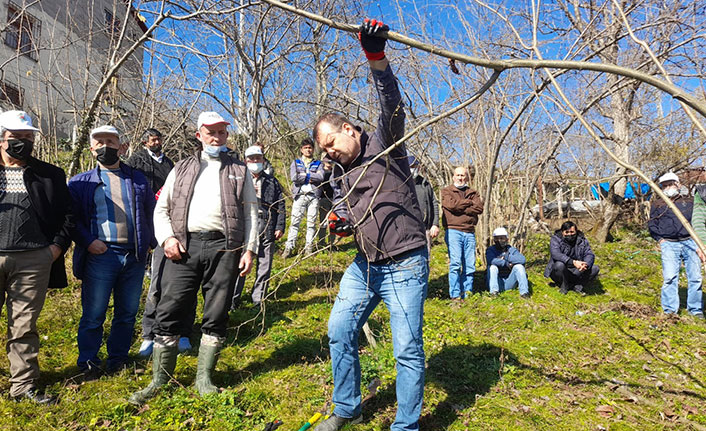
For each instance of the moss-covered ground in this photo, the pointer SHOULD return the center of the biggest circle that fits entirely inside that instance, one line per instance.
(608, 360)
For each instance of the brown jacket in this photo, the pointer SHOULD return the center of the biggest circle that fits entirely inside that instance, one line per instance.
(232, 179)
(461, 208)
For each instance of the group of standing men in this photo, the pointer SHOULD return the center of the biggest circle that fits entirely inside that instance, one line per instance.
(205, 217)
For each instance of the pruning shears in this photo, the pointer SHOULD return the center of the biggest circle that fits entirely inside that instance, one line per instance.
(271, 426)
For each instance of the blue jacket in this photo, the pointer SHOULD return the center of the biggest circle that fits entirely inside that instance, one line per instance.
(502, 257)
(664, 224)
(301, 174)
(83, 187)
(562, 251)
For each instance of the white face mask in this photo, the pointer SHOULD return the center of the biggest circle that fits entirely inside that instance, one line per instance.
(461, 186)
(255, 168)
(671, 192)
(415, 172)
(214, 150)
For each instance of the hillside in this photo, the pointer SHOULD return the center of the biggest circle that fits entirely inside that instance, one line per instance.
(607, 360)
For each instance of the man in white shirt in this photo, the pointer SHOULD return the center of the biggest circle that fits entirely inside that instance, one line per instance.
(206, 221)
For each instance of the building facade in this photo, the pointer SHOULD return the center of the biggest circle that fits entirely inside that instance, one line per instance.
(55, 53)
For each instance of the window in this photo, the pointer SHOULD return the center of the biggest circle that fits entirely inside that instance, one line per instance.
(112, 24)
(11, 94)
(23, 30)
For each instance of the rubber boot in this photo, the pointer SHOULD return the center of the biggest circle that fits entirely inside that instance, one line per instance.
(163, 364)
(208, 356)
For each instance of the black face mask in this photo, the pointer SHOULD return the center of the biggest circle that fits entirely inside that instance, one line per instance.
(500, 243)
(107, 156)
(19, 149)
(571, 239)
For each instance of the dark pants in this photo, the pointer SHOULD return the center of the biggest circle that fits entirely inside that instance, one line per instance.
(206, 264)
(325, 206)
(568, 277)
(154, 294)
(265, 254)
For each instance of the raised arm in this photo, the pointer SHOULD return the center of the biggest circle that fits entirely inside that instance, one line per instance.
(391, 120)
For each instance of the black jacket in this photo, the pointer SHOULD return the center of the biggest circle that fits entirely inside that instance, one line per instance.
(562, 251)
(427, 202)
(382, 204)
(155, 172)
(51, 201)
(664, 224)
(272, 213)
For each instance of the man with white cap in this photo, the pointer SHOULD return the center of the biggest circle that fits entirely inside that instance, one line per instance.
(113, 205)
(676, 246)
(35, 223)
(506, 266)
(206, 221)
(271, 224)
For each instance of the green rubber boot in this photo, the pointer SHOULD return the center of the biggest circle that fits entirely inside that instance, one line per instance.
(208, 356)
(163, 364)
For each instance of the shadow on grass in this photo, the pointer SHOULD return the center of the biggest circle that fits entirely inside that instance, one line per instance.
(439, 287)
(297, 351)
(462, 372)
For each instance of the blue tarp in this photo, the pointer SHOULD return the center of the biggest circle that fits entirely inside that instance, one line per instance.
(643, 188)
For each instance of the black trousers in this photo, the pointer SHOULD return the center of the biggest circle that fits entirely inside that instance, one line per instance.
(571, 276)
(206, 264)
(154, 295)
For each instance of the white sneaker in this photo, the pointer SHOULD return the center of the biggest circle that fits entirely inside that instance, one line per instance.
(184, 344)
(146, 348)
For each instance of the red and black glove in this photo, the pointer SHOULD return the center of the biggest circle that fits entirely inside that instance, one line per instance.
(339, 225)
(369, 35)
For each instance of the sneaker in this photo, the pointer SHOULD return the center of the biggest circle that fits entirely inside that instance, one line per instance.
(564, 289)
(184, 344)
(698, 315)
(32, 394)
(286, 252)
(146, 348)
(336, 422)
(494, 294)
(308, 250)
(578, 288)
(525, 296)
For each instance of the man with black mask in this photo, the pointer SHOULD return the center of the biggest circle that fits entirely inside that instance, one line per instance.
(113, 204)
(571, 259)
(506, 266)
(35, 219)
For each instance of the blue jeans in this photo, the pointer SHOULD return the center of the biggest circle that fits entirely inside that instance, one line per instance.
(402, 286)
(116, 271)
(673, 254)
(462, 262)
(499, 283)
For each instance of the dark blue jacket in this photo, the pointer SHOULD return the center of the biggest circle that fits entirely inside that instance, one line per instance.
(272, 212)
(664, 224)
(562, 251)
(502, 257)
(83, 187)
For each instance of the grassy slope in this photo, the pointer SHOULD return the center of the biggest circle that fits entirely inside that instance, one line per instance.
(608, 360)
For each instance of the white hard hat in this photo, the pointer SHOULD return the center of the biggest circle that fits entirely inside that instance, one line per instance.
(501, 231)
